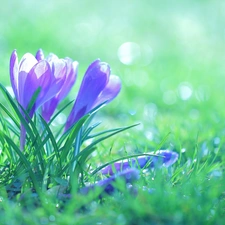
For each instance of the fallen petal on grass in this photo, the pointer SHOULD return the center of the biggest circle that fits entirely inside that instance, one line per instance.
(129, 176)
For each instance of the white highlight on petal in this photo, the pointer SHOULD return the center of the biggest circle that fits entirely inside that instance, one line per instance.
(104, 68)
(27, 62)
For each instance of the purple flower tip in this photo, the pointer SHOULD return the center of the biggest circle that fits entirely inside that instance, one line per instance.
(40, 55)
(168, 157)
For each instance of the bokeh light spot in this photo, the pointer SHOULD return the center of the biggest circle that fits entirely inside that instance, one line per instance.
(202, 93)
(129, 53)
(194, 114)
(185, 90)
(150, 111)
(149, 135)
(169, 97)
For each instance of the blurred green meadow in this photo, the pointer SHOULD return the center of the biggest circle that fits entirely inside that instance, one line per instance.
(170, 56)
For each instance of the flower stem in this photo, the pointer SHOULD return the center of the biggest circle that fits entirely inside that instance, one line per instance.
(22, 137)
(77, 147)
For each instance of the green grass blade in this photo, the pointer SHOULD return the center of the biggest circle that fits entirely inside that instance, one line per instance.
(25, 162)
(122, 158)
(89, 149)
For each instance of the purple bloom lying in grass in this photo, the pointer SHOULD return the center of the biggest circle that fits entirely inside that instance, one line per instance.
(129, 176)
(65, 69)
(162, 158)
(128, 171)
(97, 87)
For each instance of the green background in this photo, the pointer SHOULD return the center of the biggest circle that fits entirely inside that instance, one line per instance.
(170, 56)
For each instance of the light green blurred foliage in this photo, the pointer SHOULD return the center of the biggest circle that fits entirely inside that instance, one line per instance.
(170, 56)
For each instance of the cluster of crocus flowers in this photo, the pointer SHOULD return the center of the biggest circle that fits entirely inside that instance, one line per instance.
(54, 78)
(50, 79)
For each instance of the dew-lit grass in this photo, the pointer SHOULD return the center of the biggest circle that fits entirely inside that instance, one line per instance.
(170, 57)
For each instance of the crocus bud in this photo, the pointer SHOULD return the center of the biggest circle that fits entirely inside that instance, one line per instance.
(97, 87)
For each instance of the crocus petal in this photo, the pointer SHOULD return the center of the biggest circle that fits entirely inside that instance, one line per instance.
(71, 76)
(129, 176)
(64, 73)
(40, 55)
(50, 85)
(59, 68)
(27, 62)
(59, 71)
(94, 81)
(48, 108)
(111, 90)
(162, 158)
(39, 76)
(14, 72)
(54, 88)
(25, 66)
(58, 77)
(24, 96)
(51, 58)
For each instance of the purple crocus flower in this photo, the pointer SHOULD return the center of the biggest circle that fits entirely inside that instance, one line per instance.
(97, 87)
(64, 69)
(161, 158)
(129, 176)
(30, 74)
(27, 76)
